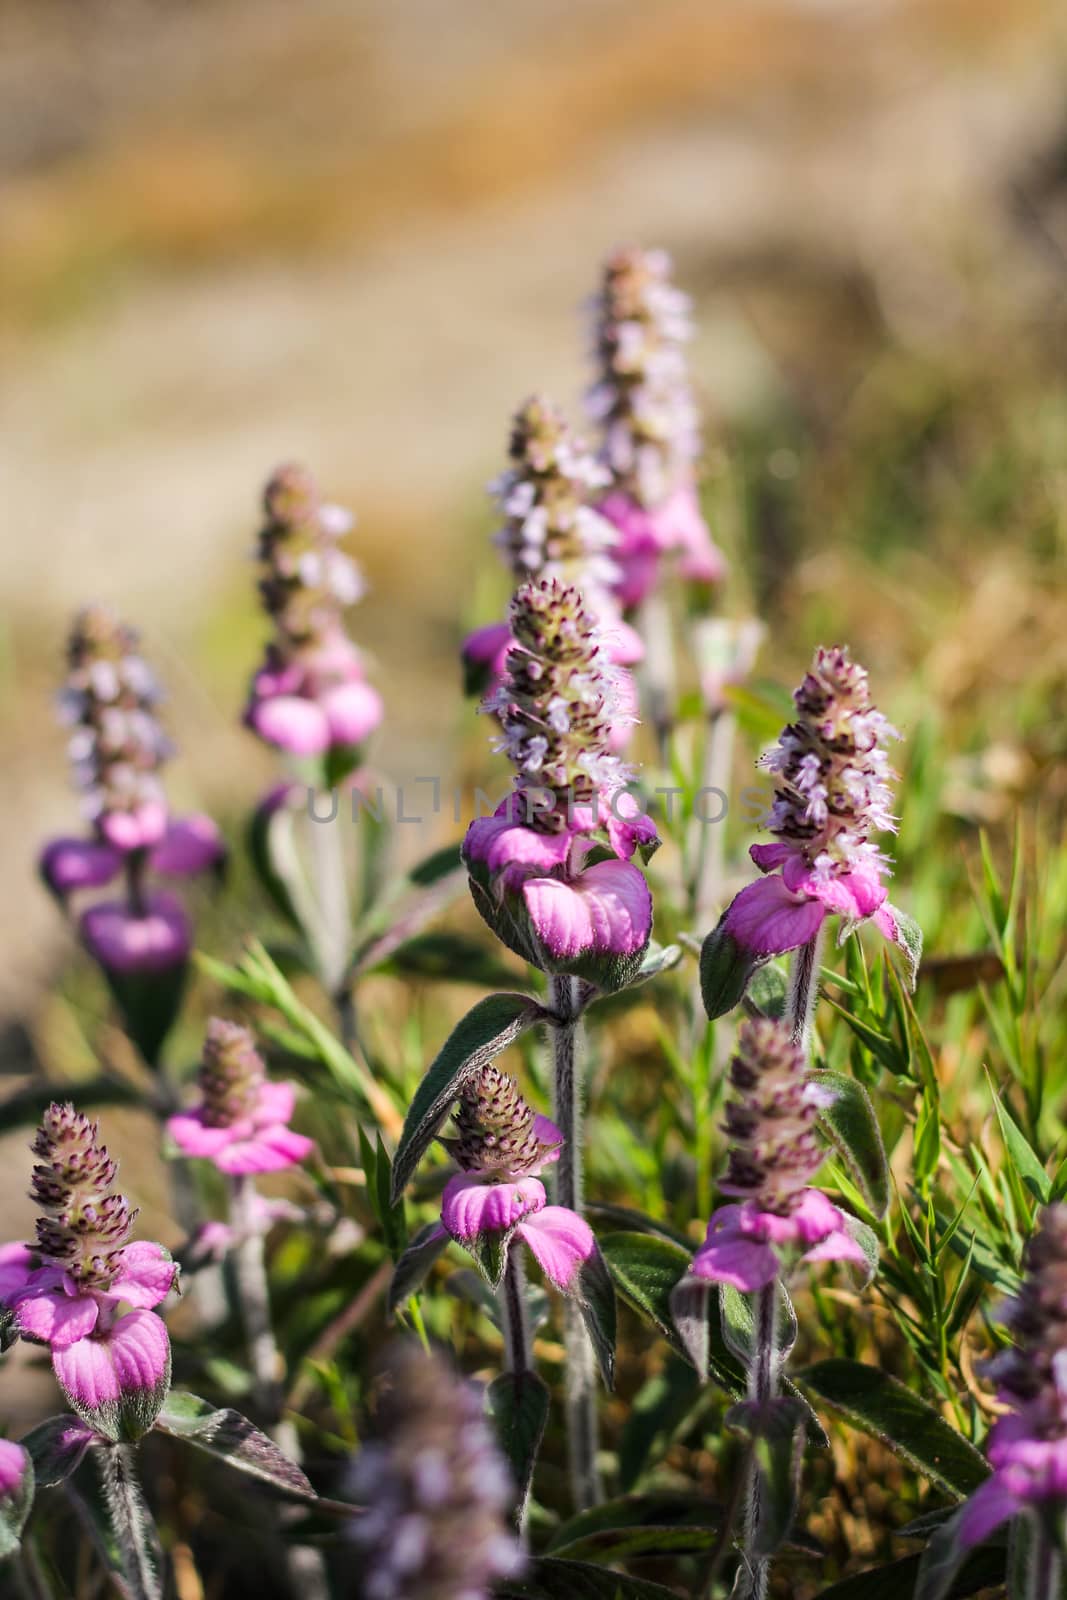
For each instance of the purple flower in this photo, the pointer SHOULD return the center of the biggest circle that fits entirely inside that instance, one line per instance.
(749, 1248)
(643, 403)
(774, 1152)
(310, 695)
(1028, 1446)
(832, 792)
(502, 1145)
(84, 1290)
(529, 865)
(242, 1122)
(16, 1494)
(433, 1489)
(117, 749)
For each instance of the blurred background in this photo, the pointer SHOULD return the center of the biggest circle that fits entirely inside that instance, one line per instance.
(359, 232)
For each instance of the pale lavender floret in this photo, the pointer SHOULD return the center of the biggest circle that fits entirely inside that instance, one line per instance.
(433, 1488)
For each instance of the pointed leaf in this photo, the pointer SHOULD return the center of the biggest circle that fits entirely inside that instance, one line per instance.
(983, 1569)
(233, 1439)
(57, 1448)
(1021, 1154)
(415, 1264)
(725, 969)
(644, 1524)
(518, 1403)
(656, 959)
(148, 1004)
(492, 1025)
(596, 1301)
(850, 1124)
(940, 1561)
(490, 1252)
(689, 1313)
(878, 1405)
(445, 957)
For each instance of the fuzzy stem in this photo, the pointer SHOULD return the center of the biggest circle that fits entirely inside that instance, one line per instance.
(581, 1374)
(253, 1297)
(762, 1386)
(130, 1520)
(513, 1315)
(1046, 1568)
(803, 991)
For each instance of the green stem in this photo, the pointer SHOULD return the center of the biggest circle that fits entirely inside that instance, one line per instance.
(129, 1520)
(762, 1387)
(580, 1366)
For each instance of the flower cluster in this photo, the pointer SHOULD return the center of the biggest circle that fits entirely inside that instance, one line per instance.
(434, 1489)
(83, 1289)
(310, 695)
(643, 402)
(527, 861)
(117, 749)
(501, 1146)
(832, 791)
(242, 1121)
(1028, 1446)
(774, 1154)
(552, 531)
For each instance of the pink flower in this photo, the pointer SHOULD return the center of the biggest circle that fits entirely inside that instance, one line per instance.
(308, 708)
(184, 847)
(261, 1141)
(786, 909)
(551, 908)
(748, 1248)
(648, 533)
(13, 1464)
(494, 1201)
(242, 1122)
(48, 1306)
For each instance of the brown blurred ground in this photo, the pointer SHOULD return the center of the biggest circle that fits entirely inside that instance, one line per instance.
(360, 233)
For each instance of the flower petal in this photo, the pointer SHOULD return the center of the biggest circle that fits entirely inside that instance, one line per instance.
(275, 1103)
(54, 1317)
(136, 829)
(744, 1263)
(67, 865)
(768, 857)
(470, 1205)
(352, 710)
(991, 1504)
(194, 1137)
(122, 942)
(606, 910)
(270, 1149)
(146, 1274)
(17, 1265)
(292, 723)
(560, 1241)
(190, 845)
(767, 920)
(118, 1381)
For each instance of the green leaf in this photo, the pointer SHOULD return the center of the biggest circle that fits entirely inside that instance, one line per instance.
(492, 1025)
(490, 1252)
(233, 1439)
(984, 1569)
(27, 1107)
(646, 1269)
(769, 989)
(940, 1562)
(415, 1264)
(851, 1126)
(689, 1301)
(552, 1579)
(432, 868)
(15, 1507)
(878, 1405)
(1021, 1154)
(739, 1323)
(596, 1301)
(776, 1429)
(269, 840)
(642, 1524)
(518, 1403)
(57, 1448)
(725, 970)
(656, 959)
